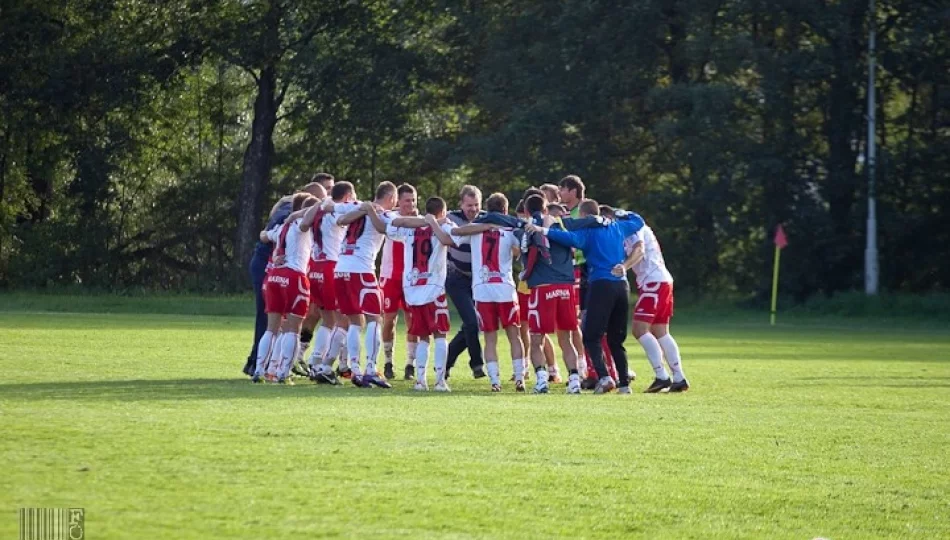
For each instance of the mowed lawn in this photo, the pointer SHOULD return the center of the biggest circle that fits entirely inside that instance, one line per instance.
(798, 431)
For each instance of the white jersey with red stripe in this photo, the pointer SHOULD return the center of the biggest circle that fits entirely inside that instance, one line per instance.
(361, 241)
(423, 280)
(327, 237)
(393, 259)
(652, 267)
(292, 244)
(492, 279)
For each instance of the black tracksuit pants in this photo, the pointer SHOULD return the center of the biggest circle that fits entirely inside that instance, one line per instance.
(608, 310)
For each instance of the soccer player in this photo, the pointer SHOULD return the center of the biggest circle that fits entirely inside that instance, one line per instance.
(391, 283)
(551, 305)
(325, 182)
(357, 290)
(494, 290)
(286, 294)
(653, 310)
(259, 265)
(603, 247)
(327, 240)
(423, 282)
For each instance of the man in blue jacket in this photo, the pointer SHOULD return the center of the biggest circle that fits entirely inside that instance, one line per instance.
(603, 249)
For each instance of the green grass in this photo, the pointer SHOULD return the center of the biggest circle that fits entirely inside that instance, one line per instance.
(797, 431)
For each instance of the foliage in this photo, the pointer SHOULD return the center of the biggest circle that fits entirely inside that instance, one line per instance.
(141, 142)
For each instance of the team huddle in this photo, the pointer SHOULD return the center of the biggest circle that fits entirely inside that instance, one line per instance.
(557, 270)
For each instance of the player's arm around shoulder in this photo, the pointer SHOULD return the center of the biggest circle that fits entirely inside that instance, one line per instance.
(442, 231)
(348, 213)
(409, 222)
(474, 228)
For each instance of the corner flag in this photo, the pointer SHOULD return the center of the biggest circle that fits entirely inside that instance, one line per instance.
(780, 242)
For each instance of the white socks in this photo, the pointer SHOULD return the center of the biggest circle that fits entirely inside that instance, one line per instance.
(285, 351)
(441, 355)
(264, 348)
(494, 374)
(654, 354)
(422, 359)
(353, 348)
(388, 351)
(411, 348)
(371, 341)
(320, 345)
(517, 365)
(672, 352)
(337, 345)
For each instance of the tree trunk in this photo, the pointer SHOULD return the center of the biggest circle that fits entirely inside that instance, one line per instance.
(257, 164)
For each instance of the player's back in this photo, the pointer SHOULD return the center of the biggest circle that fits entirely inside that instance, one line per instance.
(492, 261)
(327, 238)
(294, 246)
(425, 263)
(361, 242)
(559, 271)
(652, 267)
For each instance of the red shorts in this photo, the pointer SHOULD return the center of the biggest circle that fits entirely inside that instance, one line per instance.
(523, 305)
(357, 294)
(655, 304)
(551, 308)
(322, 289)
(432, 318)
(577, 288)
(286, 291)
(493, 316)
(393, 297)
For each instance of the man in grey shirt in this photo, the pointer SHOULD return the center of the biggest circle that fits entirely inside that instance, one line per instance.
(458, 284)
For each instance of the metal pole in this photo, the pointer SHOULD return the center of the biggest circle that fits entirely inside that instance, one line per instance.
(870, 250)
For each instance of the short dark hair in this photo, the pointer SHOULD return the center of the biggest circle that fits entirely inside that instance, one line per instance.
(497, 202)
(534, 203)
(574, 183)
(557, 207)
(405, 188)
(322, 177)
(520, 208)
(550, 192)
(532, 191)
(311, 200)
(340, 190)
(590, 207)
(385, 189)
(300, 198)
(606, 211)
(435, 205)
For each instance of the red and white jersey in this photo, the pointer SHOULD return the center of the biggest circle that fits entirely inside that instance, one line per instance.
(393, 259)
(361, 241)
(293, 244)
(652, 267)
(423, 280)
(492, 279)
(327, 237)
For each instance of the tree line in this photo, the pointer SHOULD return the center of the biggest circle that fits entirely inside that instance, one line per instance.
(142, 141)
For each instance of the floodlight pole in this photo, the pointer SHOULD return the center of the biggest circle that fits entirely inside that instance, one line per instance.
(870, 251)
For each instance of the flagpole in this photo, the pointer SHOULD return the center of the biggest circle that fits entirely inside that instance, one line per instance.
(778, 253)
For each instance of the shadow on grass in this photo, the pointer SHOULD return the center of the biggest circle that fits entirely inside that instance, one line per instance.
(917, 381)
(204, 389)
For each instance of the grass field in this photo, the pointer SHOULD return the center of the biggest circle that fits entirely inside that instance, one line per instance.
(836, 428)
